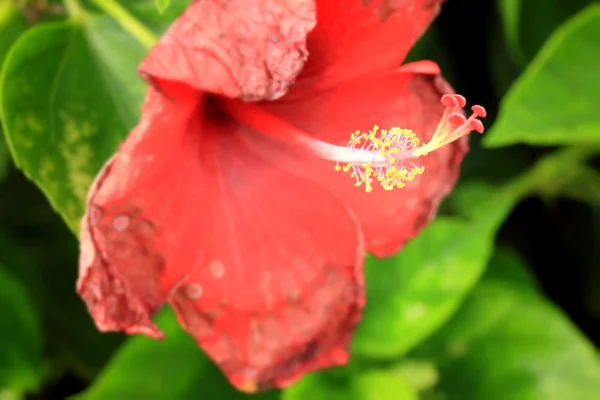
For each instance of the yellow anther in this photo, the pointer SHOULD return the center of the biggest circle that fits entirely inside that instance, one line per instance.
(391, 164)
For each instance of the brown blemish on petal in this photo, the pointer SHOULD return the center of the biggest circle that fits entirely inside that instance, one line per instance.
(274, 347)
(200, 323)
(119, 270)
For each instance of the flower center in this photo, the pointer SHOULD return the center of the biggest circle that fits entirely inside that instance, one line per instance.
(384, 156)
(388, 157)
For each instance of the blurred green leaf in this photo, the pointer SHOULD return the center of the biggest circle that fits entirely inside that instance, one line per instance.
(468, 196)
(4, 157)
(369, 385)
(504, 67)
(510, 343)
(42, 254)
(507, 265)
(555, 101)
(12, 25)
(157, 22)
(69, 95)
(561, 172)
(145, 13)
(527, 24)
(162, 5)
(410, 295)
(383, 385)
(172, 369)
(564, 172)
(510, 10)
(415, 292)
(74, 342)
(583, 186)
(11, 394)
(21, 364)
(420, 374)
(332, 384)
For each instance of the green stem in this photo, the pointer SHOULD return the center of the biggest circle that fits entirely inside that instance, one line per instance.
(127, 22)
(73, 8)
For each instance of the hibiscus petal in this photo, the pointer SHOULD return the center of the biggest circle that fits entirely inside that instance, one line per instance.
(120, 260)
(252, 49)
(263, 268)
(354, 38)
(404, 99)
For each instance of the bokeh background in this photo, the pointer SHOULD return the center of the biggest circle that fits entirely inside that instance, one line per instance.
(498, 298)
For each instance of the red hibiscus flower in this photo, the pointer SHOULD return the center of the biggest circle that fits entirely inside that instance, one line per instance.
(227, 200)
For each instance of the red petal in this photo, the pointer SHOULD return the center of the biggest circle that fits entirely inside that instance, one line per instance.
(121, 259)
(263, 268)
(238, 48)
(402, 99)
(354, 38)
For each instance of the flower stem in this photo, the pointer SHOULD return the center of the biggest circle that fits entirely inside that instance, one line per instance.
(128, 22)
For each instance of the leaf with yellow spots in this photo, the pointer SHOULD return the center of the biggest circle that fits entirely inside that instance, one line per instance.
(69, 95)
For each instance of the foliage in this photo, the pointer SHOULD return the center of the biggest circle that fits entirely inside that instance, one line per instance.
(458, 314)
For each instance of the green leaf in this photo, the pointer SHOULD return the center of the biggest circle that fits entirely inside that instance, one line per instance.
(332, 384)
(409, 296)
(504, 61)
(21, 364)
(510, 343)
(510, 10)
(527, 24)
(12, 25)
(4, 157)
(507, 265)
(72, 340)
(158, 22)
(555, 101)
(162, 5)
(368, 385)
(584, 186)
(172, 369)
(69, 95)
(468, 196)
